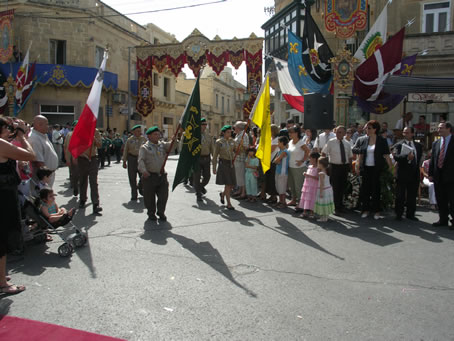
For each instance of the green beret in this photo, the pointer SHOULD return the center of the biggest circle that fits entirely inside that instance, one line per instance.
(135, 127)
(226, 127)
(74, 123)
(203, 120)
(152, 130)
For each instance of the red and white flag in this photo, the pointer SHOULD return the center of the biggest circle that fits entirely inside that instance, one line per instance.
(288, 89)
(371, 75)
(84, 132)
(24, 80)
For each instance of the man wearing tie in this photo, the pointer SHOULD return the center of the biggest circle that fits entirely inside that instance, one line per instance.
(407, 154)
(441, 170)
(339, 152)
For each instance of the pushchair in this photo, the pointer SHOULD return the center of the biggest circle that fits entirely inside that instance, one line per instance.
(71, 235)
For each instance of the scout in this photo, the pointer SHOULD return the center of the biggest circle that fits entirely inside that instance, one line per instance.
(130, 154)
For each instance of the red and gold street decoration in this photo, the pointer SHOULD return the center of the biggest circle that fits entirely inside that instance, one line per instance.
(345, 17)
(197, 51)
(6, 46)
(145, 104)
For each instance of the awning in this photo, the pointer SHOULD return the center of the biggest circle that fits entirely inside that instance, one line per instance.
(403, 85)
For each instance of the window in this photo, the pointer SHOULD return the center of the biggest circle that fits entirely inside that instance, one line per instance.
(217, 101)
(222, 103)
(436, 17)
(166, 87)
(99, 54)
(168, 120)
(228, 105)
(57, 51)
(155, 79)
(52, 109)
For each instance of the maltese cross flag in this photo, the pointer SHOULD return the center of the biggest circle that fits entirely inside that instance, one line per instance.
(371, 75)
(84, 132)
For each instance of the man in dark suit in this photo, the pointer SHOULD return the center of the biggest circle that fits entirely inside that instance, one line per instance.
(441, 172)
(408, 155)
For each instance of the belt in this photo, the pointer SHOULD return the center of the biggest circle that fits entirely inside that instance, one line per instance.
(205, 155)
(133, 155)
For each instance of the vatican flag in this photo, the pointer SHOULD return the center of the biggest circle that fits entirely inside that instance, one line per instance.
(261, 116)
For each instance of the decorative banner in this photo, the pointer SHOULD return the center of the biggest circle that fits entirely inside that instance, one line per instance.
(218, 63)
(345, 17)
(176, 64)
(160, 63)
(195, 66)
(254, 79)
(145, 103)
(3, 96)
(236, 58)
(6, 31)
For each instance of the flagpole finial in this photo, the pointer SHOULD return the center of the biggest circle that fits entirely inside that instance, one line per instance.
(423, 52)
(410, 22)
(107, 48)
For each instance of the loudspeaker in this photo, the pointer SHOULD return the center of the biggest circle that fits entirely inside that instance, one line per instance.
(318, 111)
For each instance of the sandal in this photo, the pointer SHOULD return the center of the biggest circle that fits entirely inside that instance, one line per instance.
(12, 289)
(281, 205)
(49, 238)
(231, 208)
(222, 198)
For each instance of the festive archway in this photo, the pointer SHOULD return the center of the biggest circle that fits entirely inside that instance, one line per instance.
(196, 51)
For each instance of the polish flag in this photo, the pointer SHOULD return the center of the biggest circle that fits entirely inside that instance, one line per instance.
(288, 89)
(84, 132)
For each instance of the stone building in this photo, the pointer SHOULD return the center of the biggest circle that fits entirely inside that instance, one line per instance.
(432, 30)
(69, 37)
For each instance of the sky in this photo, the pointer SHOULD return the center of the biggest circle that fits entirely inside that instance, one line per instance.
(228, 19)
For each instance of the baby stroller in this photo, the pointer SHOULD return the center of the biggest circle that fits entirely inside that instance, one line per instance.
(71, 235)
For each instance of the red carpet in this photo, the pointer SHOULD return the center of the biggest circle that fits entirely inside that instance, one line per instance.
(19, 329)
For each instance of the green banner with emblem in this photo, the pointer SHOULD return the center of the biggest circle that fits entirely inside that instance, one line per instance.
(190, 151)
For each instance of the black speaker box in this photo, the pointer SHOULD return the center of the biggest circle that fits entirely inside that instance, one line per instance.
(318, 111)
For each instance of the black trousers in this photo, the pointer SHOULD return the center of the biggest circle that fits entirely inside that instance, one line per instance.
(118, 153)
(338, 179)
(203, 171)
(101, 157)
(369, 193)
(406, 193)
(155, 186)
(88, 173)
(133, 172)
(444, 193)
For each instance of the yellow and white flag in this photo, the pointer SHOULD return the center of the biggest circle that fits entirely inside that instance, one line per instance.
(261, 116)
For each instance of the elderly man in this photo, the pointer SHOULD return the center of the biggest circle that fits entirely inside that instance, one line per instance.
(339, 152)
(323, 139)
(130, 155)
(44, 151)
(154, 179)
(241, 145)
(204, 162)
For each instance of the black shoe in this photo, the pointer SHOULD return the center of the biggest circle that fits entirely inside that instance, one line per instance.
(398, 218)
(199, 198)
(413, 218)
(133, 198)
(203, 190)
(162, 217)
(96, 208)
(338, 213)
(82, 204)
(440, 224)
(152, 217)
(75, 192)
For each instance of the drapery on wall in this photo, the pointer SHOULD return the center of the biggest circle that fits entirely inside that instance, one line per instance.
(196, 51)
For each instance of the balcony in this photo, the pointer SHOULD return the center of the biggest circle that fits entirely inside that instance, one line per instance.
(64, 75)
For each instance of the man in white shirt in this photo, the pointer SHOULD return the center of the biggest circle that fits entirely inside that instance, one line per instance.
(339, 152)
(57, 141)
(44, 151)
(322, 139)
(405, 121)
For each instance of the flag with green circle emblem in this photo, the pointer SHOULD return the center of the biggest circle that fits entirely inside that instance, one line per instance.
(190, 151)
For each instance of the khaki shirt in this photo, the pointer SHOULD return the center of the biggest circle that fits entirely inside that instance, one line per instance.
(92, 152)
(68, 155)
(206, 145)
(152, 156)
(224, 149)
(132, 146)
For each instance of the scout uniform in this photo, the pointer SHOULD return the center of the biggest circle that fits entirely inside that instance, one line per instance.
(225, 151)
(73, 167)
(117, 143)
(150, 160)
(88, 172)
(204, 163)
(130, 154)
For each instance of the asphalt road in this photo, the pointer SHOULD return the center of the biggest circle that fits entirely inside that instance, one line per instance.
(255, 273)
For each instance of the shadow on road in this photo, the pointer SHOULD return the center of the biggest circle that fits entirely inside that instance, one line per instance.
(202, 250)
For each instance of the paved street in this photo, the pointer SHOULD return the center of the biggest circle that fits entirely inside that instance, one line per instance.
(252, 274)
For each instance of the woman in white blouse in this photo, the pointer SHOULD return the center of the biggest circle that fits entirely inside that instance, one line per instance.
(299, 152)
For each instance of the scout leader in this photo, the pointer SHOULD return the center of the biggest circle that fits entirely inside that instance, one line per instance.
(206, 150)
(130, 155)
(154, 179)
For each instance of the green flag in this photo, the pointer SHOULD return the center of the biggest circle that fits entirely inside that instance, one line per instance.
(190, 152)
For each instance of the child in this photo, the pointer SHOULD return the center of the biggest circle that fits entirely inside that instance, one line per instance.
(43, 174)
(309, 190)
(324, 204)
(252, 166)
(49, 208)
(281, 177)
